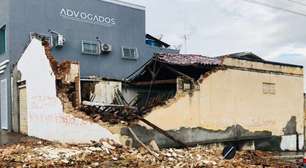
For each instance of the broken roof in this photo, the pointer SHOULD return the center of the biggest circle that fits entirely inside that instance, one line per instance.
(193, 59)
(187, 59)
(195, 65)
(192, 65)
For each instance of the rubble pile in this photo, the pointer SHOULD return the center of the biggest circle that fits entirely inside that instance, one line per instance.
(107, 153)
(121, 110)
(70, 109)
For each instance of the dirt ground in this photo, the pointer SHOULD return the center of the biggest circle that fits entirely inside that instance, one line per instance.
(32, 152)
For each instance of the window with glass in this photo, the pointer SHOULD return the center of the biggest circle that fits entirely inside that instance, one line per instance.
(2, 40)
(91, 48)
(129, 53)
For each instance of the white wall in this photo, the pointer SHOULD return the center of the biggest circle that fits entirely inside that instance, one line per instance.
(46, 118)
(288, 142)
(105, 91)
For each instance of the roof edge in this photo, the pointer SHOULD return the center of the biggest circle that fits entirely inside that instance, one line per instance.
(270, 62)
(126, 4)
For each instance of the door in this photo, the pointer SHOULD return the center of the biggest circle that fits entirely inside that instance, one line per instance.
(23, 109)
(3, 103)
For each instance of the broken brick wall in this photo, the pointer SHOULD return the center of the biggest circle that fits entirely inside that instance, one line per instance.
(68, 82)
(238, 97)
(46, 117)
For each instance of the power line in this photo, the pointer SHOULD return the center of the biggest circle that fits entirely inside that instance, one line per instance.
(298, 2)
(275, 7)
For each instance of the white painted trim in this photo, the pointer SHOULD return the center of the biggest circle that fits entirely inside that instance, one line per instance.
(127, 4)
(20, 81)
(91, 80)
(3, 67)
(4, 62)
(22, 86)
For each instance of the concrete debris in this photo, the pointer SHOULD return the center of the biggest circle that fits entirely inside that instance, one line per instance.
(154, 146)
(120, 110)
(107, 153)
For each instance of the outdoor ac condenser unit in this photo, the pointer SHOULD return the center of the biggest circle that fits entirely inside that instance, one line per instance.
(60, 41)
(106, 48)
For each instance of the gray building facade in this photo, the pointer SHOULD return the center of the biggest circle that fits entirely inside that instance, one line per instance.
(107, 37)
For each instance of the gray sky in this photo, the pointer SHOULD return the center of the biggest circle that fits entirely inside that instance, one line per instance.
(217, 27)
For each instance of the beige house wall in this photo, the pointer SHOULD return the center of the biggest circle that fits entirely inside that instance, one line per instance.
(235, 96)
(263, 66)
(305, 117)
(23, 110)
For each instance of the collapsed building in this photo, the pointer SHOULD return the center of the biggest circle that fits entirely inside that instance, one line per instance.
(173, 100)
(237, 97)
(77, 95)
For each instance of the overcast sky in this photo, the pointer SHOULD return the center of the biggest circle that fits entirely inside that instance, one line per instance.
(218, 27)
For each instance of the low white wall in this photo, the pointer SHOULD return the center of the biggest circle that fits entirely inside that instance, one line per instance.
(288, 142)
(46, 118)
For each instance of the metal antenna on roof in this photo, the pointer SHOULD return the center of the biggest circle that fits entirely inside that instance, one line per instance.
(186, 37)
(185, 42)
(188, 32)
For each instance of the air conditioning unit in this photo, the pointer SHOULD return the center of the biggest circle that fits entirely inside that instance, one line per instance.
(60, 41)
(57, 39)
(106, 48)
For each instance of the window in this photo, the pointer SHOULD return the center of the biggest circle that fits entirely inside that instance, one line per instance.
(2, 40)
(91, 48)
(129, 53)
(269, 88)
